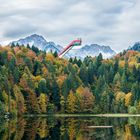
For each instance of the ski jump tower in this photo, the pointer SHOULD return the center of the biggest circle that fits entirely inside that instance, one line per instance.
(76, 42)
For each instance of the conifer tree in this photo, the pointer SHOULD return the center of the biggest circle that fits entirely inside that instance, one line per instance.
(83, 74)
(42, 86)
(99, 60)
(55, 97)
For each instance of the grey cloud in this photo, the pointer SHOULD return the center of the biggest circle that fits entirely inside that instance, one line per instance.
(19, 30)
(110, 22)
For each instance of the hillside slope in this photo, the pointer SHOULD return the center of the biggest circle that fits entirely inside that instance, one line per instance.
(43, 83)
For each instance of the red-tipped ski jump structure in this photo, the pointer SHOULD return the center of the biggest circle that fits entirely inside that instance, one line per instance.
(76, 42)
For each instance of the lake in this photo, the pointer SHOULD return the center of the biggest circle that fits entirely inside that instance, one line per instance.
(74, 128)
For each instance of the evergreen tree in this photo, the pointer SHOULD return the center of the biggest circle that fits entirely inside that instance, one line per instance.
(111, 74)
(138, 74)
(136, 91)
(42, 86)
(75, 60)
(106, 99)
(134, 72)
(116, 82)
(37, 68)
(73, 81)
(28, 46)
(124, 83)
(3, 58)
(116, 65)
(99, 87)
(71, 68)
(16, 75)
(28, 63)
(79, 63)
(71, 60)
(55, 54)
(99, 60)
(55, 97)
(65, 88)
(101, 70)
(91, 72)
(35, 49)
(83, 74)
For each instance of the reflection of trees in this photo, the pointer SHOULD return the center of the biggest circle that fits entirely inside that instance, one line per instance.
(3, 130)
(128, 133)
(134, 122)
(43, 129)
(55, 132)
(72, 128)
(36, 128)
(20, 128)
(69, 129)
(30, 129)
(8, 130)
(95, 133)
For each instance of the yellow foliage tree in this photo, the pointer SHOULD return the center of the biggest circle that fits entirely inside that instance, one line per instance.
(128, 99)
(50, 57)
(60, 80)
(19, 100)
(37, 78)
(43, 102)
(86, 99)
(121, 63)
(71, 103)
(120, 96)
(45, 71)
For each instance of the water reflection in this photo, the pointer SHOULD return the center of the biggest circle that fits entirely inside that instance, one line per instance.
(70, 129)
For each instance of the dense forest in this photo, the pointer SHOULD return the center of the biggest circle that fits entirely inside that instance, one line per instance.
(33, 82)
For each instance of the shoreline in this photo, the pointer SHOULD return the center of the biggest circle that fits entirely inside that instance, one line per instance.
(117, 115)
(82, 115)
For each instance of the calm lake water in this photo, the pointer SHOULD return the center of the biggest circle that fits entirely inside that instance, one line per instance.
(51, 128)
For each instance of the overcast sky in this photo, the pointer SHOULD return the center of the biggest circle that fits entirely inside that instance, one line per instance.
(106, 22)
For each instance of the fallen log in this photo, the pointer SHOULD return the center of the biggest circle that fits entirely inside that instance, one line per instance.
(99, 126)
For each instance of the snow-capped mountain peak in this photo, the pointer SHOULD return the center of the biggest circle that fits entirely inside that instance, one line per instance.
(38, 41)
(92, 50)
(135, 47)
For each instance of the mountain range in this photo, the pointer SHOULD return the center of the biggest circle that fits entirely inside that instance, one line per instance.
(93, 50)
(135, 47)
(87, 50)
